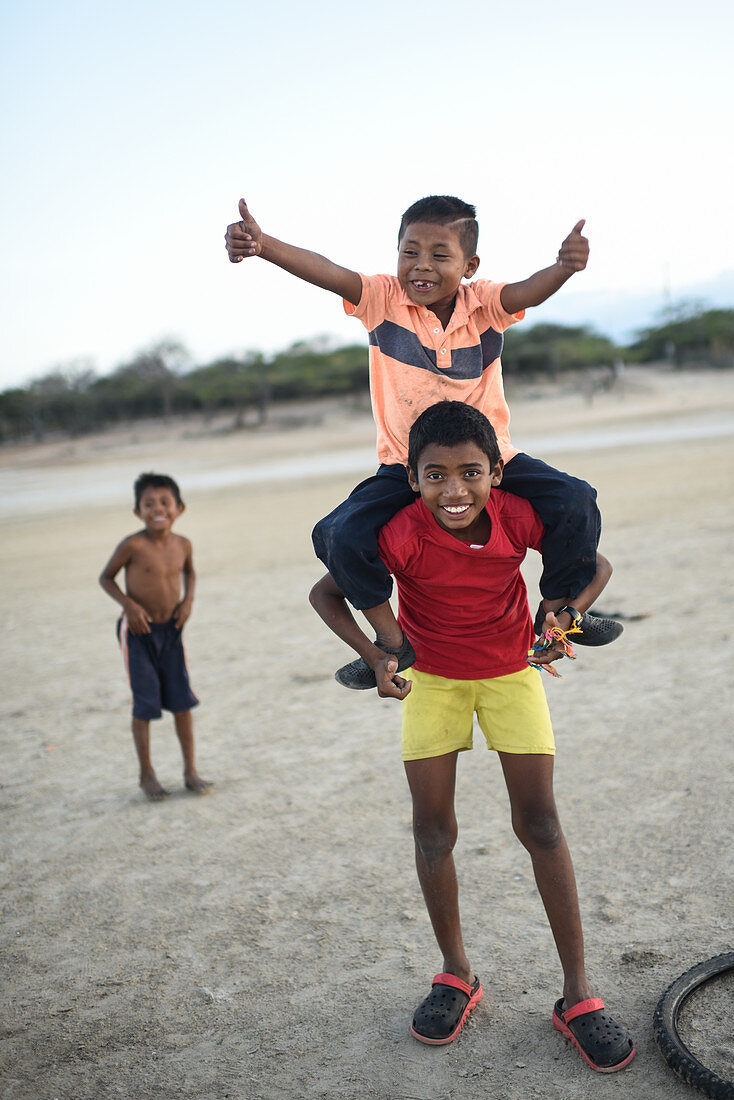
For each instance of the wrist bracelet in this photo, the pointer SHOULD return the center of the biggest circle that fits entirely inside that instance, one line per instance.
(576, 616)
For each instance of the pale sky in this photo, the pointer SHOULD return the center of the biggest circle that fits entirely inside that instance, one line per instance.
(128, 134)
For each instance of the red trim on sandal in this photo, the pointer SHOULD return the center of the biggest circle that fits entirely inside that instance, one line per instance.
(473, 992)
(595, 1043)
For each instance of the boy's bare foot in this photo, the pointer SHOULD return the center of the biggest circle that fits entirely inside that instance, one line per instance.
(153, 790)
(196, 784)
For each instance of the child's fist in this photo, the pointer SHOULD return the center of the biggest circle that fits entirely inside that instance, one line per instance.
(573, 254)
(244, 238)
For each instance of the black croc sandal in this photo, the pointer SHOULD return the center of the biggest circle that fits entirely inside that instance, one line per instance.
(359, 676)
(595, 630)
(440, 1018)
(604, 1044)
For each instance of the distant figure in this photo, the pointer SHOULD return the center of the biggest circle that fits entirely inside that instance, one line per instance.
(156, 603)
(434, 337)
(456, 554)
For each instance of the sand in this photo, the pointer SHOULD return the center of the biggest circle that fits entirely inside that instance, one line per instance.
(269, 939)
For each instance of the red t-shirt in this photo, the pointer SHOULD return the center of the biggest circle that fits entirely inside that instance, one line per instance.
(464, 607)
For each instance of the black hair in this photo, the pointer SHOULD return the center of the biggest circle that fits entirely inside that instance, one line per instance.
(445, 210)
(447, 423)
(156, 481)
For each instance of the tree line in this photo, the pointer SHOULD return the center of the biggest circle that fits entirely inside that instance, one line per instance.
(162, 381)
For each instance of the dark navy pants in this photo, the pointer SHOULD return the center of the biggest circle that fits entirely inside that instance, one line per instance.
(346, 540)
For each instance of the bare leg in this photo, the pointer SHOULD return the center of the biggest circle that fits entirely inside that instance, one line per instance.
(529, 781)
(382, 620)
(148, 779)
(185, 730)
(432, 783)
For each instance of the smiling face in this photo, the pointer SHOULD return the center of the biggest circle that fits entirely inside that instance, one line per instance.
(158, 508)
(431, 265)
(455, 483)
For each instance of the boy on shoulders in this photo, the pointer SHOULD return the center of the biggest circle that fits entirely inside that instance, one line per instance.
(433, 336)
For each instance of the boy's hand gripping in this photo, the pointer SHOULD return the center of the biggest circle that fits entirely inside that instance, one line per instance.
(552, 645)
(244, 238)
(389, 684)
(573, 255)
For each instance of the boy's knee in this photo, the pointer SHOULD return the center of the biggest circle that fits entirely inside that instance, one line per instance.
(538, 830)
(435, 839)
(322, 536)
(333, 533)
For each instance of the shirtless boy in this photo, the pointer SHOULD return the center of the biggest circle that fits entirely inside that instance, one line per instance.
(156, 603)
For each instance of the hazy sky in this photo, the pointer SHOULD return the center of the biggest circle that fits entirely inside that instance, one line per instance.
(128, 134)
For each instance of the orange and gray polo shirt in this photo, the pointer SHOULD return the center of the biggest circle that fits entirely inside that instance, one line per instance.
(415, 362)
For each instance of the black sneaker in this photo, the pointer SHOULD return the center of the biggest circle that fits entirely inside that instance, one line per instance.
(595, 629)
(359, 676)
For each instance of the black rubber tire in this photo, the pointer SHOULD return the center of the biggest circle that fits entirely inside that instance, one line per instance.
(665, 1028)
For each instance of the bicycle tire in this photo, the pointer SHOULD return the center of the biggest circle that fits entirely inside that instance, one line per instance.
(665, 1028)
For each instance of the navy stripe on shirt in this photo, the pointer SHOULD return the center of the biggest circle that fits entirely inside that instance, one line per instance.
(403, 345)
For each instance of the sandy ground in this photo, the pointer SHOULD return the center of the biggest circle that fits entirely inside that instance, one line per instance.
(269, 940)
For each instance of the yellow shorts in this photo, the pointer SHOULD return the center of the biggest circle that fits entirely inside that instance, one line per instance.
(438, 714)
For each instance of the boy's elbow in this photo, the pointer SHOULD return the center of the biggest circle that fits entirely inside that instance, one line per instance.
(314, 596)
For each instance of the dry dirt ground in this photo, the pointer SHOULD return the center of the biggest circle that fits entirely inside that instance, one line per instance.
(269, 940)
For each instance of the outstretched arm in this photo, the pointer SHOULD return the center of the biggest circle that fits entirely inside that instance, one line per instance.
(573, 256)
(245, 239)
(328, 601)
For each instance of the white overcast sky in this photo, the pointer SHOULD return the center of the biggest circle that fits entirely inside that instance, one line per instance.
(129, 132)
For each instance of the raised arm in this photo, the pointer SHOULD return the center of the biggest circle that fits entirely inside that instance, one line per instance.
(573, 256)
(245, 239)
(328, 602)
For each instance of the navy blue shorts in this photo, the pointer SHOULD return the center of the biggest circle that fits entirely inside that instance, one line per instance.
(346, 540)
(156, 669)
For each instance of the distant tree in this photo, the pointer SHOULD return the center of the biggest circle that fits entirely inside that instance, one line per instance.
(16, 418)
(146, 385)
(548, 349)
(306, 370)
(58, 401)
(236, 383)
(688, 334)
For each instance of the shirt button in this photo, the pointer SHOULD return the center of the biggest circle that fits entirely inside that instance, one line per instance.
(443, 351)
(437, 330)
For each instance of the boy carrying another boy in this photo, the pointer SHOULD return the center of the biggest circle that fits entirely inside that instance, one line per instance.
(435, 337)
(158, 566)
(456, 554)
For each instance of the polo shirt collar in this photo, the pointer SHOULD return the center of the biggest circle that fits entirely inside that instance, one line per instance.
(466, 300)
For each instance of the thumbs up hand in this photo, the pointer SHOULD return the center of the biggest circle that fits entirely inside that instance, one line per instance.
(243, 239)
(573, 254)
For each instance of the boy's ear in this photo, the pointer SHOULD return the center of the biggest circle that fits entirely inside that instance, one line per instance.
(136, 512)
(413, 481)
(497, 472)
(181, 508)
(470, 268)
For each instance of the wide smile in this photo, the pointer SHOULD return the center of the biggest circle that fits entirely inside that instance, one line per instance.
(422, 286)
(456, 510)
